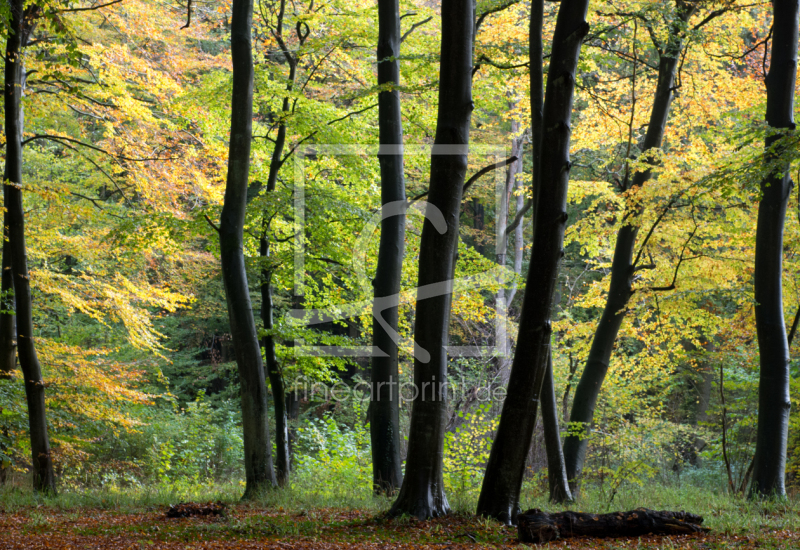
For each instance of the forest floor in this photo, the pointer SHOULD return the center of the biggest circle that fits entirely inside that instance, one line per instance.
(250, 527)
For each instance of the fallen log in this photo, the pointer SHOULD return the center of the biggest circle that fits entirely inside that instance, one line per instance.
(537, 526)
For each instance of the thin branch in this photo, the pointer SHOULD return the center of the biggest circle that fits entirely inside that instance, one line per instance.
(482, 172)
(485, 170)
(413, 28)
(652, 229)
(93, 7)
(518, 217)
(489, 12)
(794, 327)
(211, 223)
(90, 146)
(681, 258)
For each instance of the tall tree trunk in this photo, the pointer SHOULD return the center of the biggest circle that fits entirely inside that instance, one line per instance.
(277, 160)
(502, 300)
(282, 458)
(773, 389)
(8, 345)
(19, 30)
(257, 447)
(556, 468)
(622, 268)
(387, 473)
(422, 492)
(499, 496)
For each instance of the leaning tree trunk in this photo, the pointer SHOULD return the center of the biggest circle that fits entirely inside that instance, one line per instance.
(257, 447)
(622, 268)
(556, 468)
(773, 389)
(387, 473)
(499, 496)
(422, 492)
(42, 460)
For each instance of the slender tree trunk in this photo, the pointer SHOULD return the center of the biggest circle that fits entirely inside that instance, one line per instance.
(257, 447)
(422, 492)
(499, 496)
(502, 300)
(773, 390)
(20, 28)
(8, 344)
(387, 472)
(556, 468)
(622, 268)
(282, 459)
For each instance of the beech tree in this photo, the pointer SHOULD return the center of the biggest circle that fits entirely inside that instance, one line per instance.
(422, 492)
(259, 472)
(774, 403)
(20, 26)
(499, 496)
(623, 265)
(384, 419)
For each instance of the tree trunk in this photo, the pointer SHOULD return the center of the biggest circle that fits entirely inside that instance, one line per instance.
(499, 496)
(282, 460)
(387, 469)
(257, 447)
(538, 527)
(422, 492)
(622, 268)
(42, 460)
(502, 300)
(556, 468)
(8, 345)
(773, 389)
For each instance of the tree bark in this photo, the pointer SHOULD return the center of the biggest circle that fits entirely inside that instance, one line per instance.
(556, 468)
(622, 268)
(257, 447)
(503, 300)
(8, 345)
(21, 25)
(538, 527)
(499, 496)
(773, 389)
(387, 469)
(422, 492)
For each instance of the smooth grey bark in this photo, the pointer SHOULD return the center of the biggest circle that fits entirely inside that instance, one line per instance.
(20, 27)
(259, 472)
(499, 496)
(422, 491)
(622, 265)
(387, 469)
(503, 300)
(773, 389)
(556, 467)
